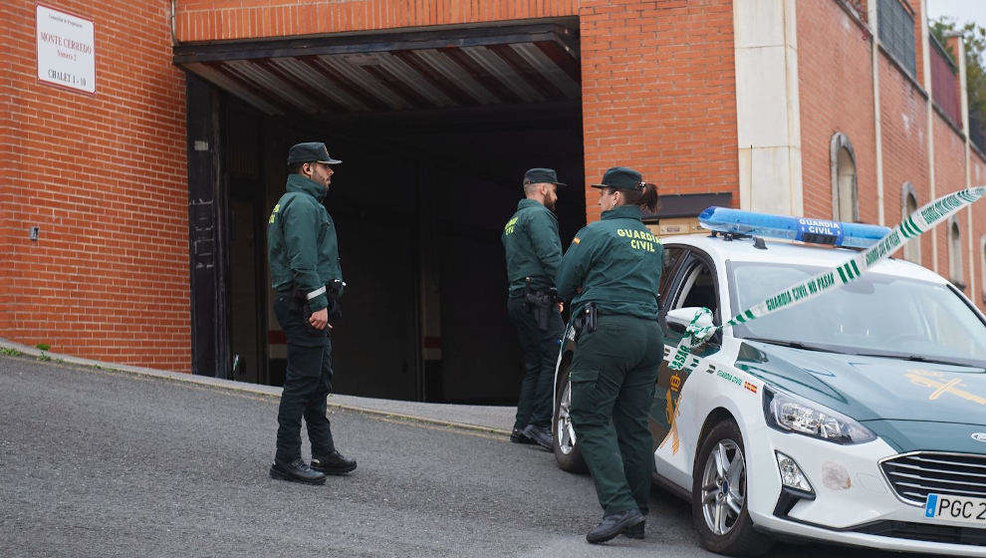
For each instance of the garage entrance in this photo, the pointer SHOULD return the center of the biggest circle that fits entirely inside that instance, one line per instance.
(435, 131)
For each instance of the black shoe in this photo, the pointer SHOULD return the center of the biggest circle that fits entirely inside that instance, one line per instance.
(541, 436)
(614, 524)
(518, 437)
(333, 463)
(635, 531)
(295, 471)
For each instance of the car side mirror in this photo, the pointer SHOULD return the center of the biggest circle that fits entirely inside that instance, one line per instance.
(680, 318)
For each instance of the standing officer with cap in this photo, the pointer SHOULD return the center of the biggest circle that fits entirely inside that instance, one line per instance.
(611, 273)
(304, 265)
(533, 251)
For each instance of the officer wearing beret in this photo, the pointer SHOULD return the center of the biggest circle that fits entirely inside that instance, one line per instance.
(303, 253)
(533, 251)
(611, 274)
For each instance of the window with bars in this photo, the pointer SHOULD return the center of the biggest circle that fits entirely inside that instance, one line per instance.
(896, 25)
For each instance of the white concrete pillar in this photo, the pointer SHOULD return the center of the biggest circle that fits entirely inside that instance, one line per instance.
(768, 118)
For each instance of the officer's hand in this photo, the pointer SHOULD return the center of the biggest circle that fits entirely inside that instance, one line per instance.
(561, 307)
(320, 318)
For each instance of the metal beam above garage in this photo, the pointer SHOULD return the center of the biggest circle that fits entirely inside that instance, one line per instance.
(418, 70)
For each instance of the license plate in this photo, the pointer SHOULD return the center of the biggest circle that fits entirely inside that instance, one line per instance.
(956, 508)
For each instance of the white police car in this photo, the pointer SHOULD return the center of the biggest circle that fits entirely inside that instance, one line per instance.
(857, 417)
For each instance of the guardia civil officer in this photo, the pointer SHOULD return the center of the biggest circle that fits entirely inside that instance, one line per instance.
(533, 250)
(304, 265)
(611, 274)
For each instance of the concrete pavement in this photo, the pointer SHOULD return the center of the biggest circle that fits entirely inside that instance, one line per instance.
(493, 420)
(104, 463)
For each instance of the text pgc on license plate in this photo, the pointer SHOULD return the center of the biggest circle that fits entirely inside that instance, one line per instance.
(956, 508)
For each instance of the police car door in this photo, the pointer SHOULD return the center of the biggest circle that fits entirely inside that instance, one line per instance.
(694, 284)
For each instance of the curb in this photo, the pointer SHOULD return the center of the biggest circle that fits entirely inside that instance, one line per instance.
(234, 386)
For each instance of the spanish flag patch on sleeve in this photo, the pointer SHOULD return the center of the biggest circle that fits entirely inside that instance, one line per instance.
(576, 240)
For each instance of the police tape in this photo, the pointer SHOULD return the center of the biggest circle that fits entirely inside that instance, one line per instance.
(917, 223)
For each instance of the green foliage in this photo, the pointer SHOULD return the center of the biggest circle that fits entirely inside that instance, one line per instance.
(974, 38)
(43, 346)
(9, 351)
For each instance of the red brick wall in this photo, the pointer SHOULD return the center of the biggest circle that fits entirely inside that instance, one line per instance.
(949, 177)
(199, 20)
(904, 126)
(659, 94)
(104, 177)
(6, 191)
(835, 77)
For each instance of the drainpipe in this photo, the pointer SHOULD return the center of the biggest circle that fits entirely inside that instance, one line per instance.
(877, 124)
(960, 55)
(926, 71)
(174, 34)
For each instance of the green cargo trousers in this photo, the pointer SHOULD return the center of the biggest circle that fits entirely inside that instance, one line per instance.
(613, 373)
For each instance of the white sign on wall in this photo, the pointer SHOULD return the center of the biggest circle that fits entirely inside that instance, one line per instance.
(66, 50)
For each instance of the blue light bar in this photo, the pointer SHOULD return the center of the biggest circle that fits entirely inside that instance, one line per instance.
(815, 231)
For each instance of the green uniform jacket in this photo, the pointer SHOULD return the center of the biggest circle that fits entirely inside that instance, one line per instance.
(617, 262)
(301, 242)
(530, 239)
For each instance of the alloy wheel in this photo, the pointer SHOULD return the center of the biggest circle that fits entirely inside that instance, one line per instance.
(723, 486)
(564, 431)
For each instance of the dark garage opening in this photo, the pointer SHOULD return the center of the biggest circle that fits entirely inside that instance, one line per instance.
(419, 201)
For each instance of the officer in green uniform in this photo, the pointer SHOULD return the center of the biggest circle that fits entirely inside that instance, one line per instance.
(533, 251)
(611, 274)
(304, 265)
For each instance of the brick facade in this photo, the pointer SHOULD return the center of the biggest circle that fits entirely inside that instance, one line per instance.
(204, 20)
(836, 88)
(659, 94)
(904, 126)
(104, 178)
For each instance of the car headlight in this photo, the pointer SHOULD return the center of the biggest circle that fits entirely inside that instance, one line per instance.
(789, 413)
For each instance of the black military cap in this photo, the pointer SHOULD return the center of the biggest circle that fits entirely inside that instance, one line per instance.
(621, 178)
(310, 152)
(539, 176)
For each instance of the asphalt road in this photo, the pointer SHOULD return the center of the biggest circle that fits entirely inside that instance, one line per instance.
(95, 463)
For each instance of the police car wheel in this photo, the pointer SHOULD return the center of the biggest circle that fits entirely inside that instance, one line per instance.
(566, 448)
(719, 495)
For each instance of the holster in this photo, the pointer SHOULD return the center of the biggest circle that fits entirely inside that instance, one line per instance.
(333, 292)
(540, 302)
(586, 320)
(300, 299)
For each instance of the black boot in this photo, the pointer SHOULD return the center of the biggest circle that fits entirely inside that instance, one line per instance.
(614, 524)
(518, 437)
(333, 463)
(295, 471)
(541, 436)
(635, 532)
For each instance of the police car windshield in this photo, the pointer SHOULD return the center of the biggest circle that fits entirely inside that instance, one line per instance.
(877, 314)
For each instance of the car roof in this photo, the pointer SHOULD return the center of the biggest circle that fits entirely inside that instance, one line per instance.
(782, 251)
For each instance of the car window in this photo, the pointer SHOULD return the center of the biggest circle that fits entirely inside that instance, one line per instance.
(875, 314)
(697, 288)
(672, 254)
